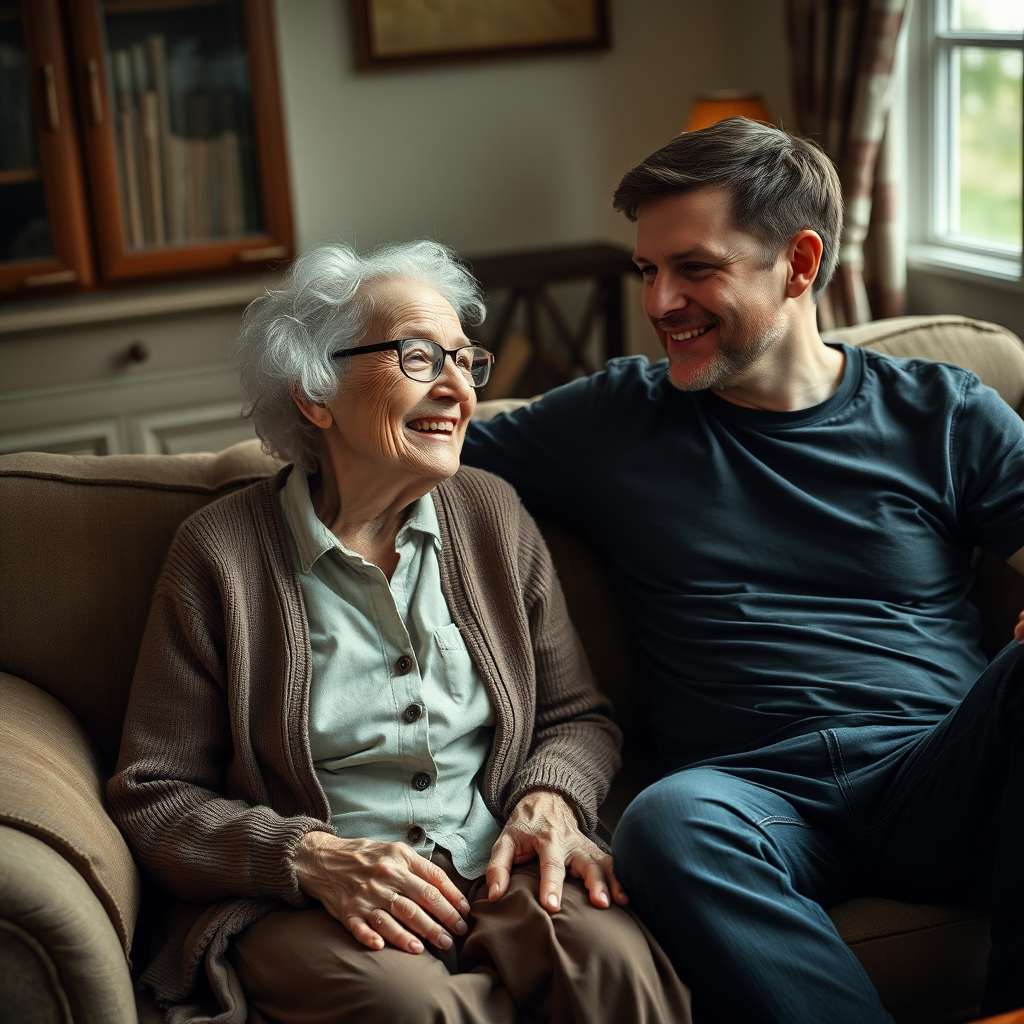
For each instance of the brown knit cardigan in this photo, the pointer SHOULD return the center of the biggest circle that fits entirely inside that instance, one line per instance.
(215, 784)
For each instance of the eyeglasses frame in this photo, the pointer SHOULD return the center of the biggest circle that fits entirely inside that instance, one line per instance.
(396, 346)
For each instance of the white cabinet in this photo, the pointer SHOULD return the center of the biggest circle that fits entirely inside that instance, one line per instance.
(147, 374)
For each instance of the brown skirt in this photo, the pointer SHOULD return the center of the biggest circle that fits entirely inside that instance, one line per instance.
(517, 963)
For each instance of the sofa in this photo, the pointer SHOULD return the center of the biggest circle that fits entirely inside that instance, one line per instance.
(82, 540)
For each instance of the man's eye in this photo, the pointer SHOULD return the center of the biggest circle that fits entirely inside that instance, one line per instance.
(648, 271)
(695, 268)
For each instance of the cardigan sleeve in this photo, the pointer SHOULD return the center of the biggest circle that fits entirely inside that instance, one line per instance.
(575, 747)
(183, 750)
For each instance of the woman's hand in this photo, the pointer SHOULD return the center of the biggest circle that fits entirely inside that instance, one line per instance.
(1018, 630)
(544, 826)
(381, 892)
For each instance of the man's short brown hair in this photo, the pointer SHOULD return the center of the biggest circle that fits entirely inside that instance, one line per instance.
(779, 184)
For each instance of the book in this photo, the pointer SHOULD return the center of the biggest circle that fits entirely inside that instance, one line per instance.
(152, 166)
(127, 149)
(156, 47)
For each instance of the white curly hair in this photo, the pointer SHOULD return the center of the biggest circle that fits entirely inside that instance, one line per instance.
(288, 334)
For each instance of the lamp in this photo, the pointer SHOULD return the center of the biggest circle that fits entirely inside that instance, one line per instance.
(717, 106)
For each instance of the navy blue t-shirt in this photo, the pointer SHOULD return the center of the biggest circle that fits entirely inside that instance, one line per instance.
(780, 572)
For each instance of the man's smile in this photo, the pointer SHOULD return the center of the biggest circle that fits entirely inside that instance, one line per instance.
(692, 332)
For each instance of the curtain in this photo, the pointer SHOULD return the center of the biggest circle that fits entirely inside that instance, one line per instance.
(842, 54)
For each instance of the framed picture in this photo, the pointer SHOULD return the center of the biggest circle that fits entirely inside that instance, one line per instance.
(407, 33)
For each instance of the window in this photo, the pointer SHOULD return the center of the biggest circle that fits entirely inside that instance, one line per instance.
(966, 138)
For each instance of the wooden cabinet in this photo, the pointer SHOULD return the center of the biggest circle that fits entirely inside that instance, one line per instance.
(143, 141)
(161, 381)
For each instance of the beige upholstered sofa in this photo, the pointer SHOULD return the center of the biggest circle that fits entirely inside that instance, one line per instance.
(81, 542)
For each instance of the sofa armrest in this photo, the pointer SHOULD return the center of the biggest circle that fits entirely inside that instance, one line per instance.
(53, 791)
(60, 958)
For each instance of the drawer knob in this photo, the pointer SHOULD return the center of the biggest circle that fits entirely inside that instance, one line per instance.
(138, 353)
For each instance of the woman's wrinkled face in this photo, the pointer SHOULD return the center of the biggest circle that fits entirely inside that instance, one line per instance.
(385, 420)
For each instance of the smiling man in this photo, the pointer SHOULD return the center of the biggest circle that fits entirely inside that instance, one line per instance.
(789, 525)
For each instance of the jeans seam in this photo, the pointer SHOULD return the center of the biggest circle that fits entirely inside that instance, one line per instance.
(782, 819)
(842, 779)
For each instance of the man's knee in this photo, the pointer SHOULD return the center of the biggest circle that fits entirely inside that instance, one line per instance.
(674, 821)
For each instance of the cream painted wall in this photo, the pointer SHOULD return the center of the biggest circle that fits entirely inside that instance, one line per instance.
(508, 154)
(514, 154)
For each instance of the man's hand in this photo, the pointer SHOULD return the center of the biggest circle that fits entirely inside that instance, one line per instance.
(1018, 630)
(543, 825)
(381, 892)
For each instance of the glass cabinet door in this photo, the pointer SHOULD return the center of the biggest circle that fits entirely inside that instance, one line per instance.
(24, 228)
(178, 79)
(185, 144)
(43, 231)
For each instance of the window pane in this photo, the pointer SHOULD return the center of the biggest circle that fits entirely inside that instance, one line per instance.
(995, 15)
(988, 200)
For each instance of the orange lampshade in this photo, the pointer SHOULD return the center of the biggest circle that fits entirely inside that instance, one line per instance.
(717, 106)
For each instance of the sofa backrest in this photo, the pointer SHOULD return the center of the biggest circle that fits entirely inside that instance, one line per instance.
(994, 353)
(82, 540)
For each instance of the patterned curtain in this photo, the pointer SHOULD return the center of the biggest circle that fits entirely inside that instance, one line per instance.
(842, 54)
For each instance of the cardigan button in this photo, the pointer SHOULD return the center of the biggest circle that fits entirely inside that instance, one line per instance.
(421, 781)
(415, 835)
(403, 665)
(412, 713)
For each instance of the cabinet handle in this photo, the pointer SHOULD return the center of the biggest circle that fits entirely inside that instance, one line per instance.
(268, 252)
(51, 97)
(56, 277)
(95, 94)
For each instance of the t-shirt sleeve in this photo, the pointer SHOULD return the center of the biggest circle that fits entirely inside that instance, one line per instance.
(541, 449)
(987, 448)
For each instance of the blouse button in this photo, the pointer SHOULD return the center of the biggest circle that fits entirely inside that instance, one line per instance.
(412, 713)
(415, 835)
(421, 781)
(403, 664)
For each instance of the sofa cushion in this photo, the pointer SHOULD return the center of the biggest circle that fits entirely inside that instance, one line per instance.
(53, 789)
(927, 963)
(82, 540)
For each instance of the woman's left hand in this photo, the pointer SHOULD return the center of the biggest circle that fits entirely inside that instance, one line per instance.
(544, 826)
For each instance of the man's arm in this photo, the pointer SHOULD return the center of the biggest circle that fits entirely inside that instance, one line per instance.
(541, 449)
(1017, 561)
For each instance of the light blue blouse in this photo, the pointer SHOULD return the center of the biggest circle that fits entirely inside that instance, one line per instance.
(400, 724)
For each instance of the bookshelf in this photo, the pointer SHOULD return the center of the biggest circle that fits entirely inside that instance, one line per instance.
(168, 120)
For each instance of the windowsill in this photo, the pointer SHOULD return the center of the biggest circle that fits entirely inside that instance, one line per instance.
(45, 314)
(978, 268)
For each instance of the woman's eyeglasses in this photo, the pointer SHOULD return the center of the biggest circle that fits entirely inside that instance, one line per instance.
(423, 360)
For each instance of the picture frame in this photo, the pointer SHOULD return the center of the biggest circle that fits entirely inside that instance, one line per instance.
(417, 33)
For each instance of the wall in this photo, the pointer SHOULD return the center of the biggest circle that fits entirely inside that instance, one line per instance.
(935, 291)
(507, 154)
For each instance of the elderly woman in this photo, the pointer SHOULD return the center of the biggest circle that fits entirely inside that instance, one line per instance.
(363, 744)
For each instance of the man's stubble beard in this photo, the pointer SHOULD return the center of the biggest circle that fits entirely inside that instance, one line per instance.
(731, 360)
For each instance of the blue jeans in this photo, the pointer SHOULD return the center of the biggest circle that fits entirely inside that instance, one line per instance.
(730, 862)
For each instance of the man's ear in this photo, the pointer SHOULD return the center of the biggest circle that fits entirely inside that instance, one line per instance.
(317, 414)
(804, 255)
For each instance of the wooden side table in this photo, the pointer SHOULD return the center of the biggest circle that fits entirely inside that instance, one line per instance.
(528, 276)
